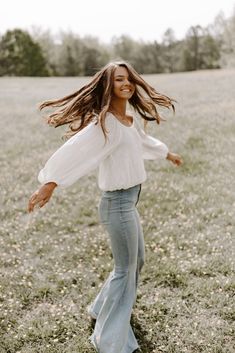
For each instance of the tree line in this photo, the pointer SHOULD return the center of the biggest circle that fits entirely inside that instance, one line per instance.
(40, 54)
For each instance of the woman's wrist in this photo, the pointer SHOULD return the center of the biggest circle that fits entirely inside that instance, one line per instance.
(168, 156)
(51, 184)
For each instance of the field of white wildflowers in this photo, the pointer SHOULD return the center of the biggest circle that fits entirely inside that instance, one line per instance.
(53, 263)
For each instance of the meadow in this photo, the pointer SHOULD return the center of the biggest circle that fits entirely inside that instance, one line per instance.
(53, 263)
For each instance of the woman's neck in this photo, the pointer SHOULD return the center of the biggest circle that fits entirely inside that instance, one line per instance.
(119, 111)
(118, 106)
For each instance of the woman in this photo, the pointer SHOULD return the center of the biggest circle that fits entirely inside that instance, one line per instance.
(106, 136)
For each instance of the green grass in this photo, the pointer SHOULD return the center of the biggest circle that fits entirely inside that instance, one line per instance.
(53, 265)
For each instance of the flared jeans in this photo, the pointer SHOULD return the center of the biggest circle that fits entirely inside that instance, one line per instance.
(113, 305)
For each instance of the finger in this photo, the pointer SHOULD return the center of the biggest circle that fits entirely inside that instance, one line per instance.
(34, 200)
(180, 162)
(34, 196)
(176, 162)
(42, 202)
(30, 207)
(32, 203)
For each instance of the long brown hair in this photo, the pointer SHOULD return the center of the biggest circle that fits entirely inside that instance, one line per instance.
(93, 100)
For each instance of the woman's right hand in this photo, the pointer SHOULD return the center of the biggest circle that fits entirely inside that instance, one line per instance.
(41, 196)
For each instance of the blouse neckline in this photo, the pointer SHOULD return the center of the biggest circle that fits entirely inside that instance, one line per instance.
(128, 126)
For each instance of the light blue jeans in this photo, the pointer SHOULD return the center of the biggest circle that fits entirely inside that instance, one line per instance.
(113, 305)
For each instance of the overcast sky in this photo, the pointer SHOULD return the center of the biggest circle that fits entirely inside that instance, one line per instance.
(141, 19)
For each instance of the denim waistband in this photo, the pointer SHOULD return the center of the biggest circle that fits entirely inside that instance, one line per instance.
(124, 193)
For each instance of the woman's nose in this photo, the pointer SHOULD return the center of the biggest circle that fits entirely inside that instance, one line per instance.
(127, 82)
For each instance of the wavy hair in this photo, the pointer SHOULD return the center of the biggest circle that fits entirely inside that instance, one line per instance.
(93, 101)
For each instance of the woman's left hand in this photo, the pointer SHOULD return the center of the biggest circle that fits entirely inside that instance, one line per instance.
(174, 158)
(42, 196)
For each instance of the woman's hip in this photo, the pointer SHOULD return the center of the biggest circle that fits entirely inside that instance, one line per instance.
(119, 202)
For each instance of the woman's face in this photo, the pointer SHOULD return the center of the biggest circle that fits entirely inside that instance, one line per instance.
(123, 88)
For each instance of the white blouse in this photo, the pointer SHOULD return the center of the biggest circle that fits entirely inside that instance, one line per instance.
(120, 159)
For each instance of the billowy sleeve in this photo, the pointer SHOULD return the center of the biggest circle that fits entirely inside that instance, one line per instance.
(81, 154)
(152, 148)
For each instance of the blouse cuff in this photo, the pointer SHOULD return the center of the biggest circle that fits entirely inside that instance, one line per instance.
(44, 180)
